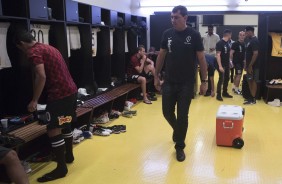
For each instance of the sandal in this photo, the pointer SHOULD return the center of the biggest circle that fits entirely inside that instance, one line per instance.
(147, 101)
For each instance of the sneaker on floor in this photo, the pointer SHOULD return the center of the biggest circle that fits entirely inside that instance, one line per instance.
(152, 98)
(237, 92)
(122, 128)
(116, 112)
(152, 94)
(100, 132)
(107, 129)
(115, 129)
(219, 98)
(26, 166)
(104, 118)
(132, 112)
(275, 103)
(76, 133)
(133, 100)
(127, 115)
(227, 95)
(113, 116)
(250, 102)
(208, 94)
(180, 155)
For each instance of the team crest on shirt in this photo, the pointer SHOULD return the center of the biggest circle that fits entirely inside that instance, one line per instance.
(169, 41)
(188, 39)
(64, 119)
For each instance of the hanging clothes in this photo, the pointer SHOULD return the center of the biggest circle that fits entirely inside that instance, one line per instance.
(73, 39)
(125, 41)
(40, 32)
(94, 41)
(112, 40)
(4, 58)
(276, 44)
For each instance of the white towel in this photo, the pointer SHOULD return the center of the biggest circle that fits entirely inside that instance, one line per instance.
(112, 40)
(40, 32)
(125, 41)
(4, 58)
(74, 37)
(94, 41)
(68, 42)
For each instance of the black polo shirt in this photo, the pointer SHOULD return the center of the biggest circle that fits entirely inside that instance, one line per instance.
(252, 45)
(224, 48)
(181, 55)
(239, 54)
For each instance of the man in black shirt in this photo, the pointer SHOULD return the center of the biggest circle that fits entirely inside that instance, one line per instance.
(222, 57)
(237, 58)
(252, 63)
(180, 46)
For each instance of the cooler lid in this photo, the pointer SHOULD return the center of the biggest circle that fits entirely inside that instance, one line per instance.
(232, 112)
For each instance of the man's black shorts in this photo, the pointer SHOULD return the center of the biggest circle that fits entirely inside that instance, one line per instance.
(239, 67)
(3, 152)
(134, 78)
(211, 70)
(61, 112)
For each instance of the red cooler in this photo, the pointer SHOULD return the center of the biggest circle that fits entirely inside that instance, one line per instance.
(229, 126)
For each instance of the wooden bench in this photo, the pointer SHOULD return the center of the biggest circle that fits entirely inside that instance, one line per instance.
(34, 130)
(272, 92)
(110, 95)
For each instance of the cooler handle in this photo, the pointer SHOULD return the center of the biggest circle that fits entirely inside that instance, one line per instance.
(232, 125)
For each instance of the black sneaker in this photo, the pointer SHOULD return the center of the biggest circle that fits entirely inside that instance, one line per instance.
(208, 94)
(152, 94)
(131, 112)
(227, 95)
(250, 102)
(180, 155)
(219, 98)
(152, 98)
(113, 116)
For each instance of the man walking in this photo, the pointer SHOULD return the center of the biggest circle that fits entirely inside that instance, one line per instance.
(180, 46)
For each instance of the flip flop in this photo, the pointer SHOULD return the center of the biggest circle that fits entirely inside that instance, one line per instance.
(147, 101)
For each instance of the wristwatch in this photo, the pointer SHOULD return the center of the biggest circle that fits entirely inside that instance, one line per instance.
(204, 81)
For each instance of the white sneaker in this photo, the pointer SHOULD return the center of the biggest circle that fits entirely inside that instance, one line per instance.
(76, 133)
(104, 118)
(275, 103)
(83, 92)
(26, 167)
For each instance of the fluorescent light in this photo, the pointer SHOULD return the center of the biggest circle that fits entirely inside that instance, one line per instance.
(191, 3)
(170, 3)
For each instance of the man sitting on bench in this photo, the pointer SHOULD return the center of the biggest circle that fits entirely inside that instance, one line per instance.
(140, 69)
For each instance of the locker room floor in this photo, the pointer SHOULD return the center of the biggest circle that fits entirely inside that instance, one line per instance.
(145, 153)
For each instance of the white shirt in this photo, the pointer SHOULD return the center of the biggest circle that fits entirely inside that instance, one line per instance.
(209, 42)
